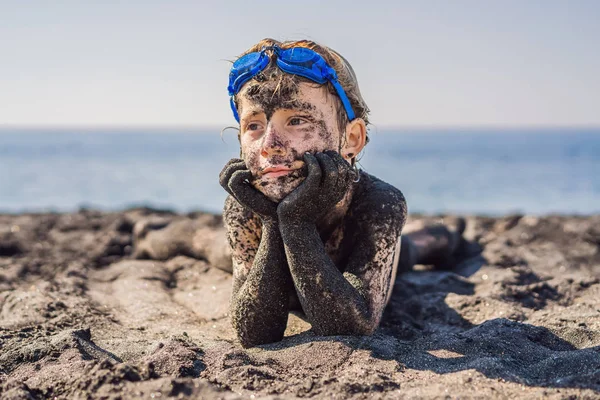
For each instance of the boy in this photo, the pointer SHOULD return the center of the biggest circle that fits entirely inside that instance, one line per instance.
(307, 229)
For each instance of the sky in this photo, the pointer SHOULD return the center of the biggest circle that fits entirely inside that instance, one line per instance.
(419, 63)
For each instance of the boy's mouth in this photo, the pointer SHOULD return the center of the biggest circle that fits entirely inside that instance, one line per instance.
(278, 181)
(280, 170)
(273, 172)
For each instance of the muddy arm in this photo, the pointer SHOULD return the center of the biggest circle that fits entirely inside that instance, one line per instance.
(352, 302)
(259, 308)
(336, 303)
(261, 280)
(260, 299)
(331, 303)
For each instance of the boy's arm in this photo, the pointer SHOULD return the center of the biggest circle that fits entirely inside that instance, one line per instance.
(373, 262)
(261, 280)
(260, 298)
(244, 232)
(349, 303)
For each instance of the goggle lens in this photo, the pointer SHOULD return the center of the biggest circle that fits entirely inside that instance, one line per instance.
(299, 55)
(245, 62)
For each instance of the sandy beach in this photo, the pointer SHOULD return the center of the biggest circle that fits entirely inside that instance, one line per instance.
(82, 318)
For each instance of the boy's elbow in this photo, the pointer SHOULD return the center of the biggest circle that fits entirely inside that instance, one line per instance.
(257, 337)
(366, 327)
(251, 332)
(358, 326)
(254, 328)
(367, 322)
(360, 330)
(248, 341)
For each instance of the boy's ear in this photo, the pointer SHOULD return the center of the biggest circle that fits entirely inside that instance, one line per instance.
(356, 138)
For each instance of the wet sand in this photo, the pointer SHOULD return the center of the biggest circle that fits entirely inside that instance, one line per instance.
(81, 318)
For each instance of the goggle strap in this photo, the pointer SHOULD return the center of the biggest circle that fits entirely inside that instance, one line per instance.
(342, 95)
(235, 113)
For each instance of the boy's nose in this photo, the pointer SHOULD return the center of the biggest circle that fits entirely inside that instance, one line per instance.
(272, 143)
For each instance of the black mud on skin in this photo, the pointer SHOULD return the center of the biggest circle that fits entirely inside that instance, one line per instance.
(244, 231)
(259, 302)
(261, 285)
(283, 185)
(280, 91)
(316, 117)
(343, 268)
(277, 94)
(348, 298)
(262, 282)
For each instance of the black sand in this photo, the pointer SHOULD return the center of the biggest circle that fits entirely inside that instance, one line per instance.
(79, 318)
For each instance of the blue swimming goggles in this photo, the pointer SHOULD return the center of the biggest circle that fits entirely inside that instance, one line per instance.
(297, 61)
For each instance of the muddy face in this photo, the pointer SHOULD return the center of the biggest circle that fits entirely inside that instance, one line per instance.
(278, 126)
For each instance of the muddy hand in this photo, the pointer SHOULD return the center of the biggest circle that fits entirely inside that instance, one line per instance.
(329, 177)
(235, 179)
(233, 165)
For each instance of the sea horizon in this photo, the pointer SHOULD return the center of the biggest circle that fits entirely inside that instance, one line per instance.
(182, 128)
(484, 171)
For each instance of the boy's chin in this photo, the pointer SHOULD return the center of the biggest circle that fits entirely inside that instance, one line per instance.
(277, 189)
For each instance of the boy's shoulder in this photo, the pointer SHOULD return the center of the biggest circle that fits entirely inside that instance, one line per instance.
(375, 196)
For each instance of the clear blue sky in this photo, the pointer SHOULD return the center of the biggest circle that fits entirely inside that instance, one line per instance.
(425, 63)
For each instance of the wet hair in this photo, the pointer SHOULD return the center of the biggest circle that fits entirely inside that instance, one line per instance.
(280, 84)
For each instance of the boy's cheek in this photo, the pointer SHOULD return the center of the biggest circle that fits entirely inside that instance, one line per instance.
(277, 189)
(251, 159)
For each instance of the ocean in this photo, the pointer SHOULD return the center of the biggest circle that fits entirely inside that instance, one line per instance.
(474, 171)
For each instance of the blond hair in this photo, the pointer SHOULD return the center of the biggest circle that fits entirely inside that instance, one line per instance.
(343, 69)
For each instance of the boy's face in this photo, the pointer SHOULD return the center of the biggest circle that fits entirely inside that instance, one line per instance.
(276, 131)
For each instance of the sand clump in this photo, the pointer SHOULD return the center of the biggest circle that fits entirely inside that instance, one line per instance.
(101, 305)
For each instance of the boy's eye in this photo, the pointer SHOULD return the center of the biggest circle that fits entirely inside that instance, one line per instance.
(253, 126)
(297, 121)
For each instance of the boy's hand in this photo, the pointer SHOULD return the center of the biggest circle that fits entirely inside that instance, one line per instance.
(235, 179)
(329, 177)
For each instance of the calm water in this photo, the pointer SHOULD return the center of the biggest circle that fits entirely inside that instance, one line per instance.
(470, 171)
